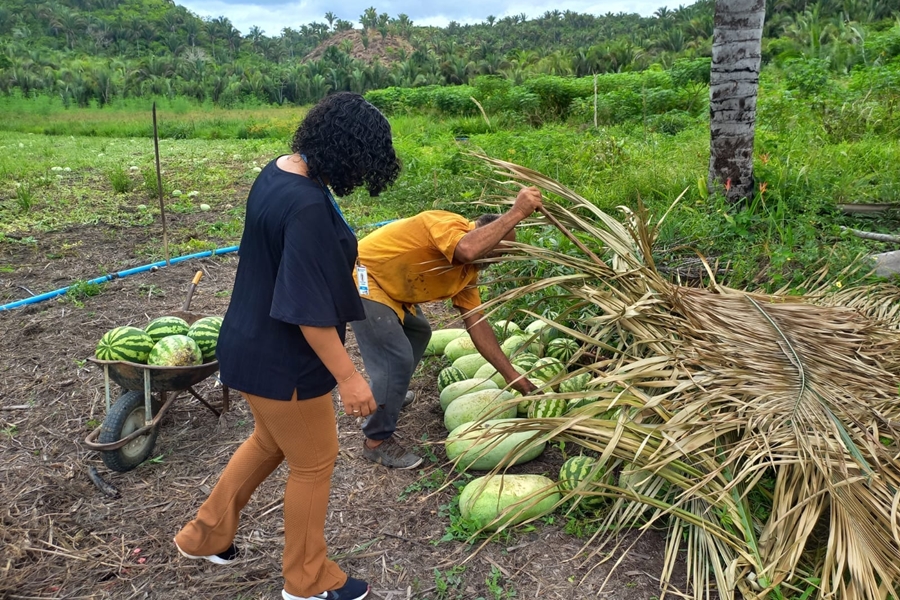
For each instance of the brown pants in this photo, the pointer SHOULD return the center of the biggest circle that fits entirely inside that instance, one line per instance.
(304, 432)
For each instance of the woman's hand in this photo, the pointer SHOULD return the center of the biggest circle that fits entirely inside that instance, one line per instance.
(357, 396)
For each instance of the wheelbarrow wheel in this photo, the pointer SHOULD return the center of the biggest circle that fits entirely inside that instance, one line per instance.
(125, 416)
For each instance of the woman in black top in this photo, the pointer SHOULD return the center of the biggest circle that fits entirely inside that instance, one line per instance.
(281, 342)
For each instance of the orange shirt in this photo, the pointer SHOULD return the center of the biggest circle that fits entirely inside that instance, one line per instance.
(410, 261)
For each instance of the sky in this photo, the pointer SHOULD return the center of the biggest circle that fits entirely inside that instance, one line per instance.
(273, 15)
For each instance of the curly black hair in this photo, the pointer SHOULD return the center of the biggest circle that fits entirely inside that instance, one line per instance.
(347, 142)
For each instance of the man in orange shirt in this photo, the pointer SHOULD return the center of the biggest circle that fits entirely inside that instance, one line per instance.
(423, 258)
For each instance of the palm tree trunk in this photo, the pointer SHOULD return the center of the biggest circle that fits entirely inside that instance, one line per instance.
(733, 85)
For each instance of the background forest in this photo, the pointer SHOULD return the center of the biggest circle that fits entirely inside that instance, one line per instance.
(102, 51)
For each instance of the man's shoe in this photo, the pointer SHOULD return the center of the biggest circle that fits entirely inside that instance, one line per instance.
(354, 589)
(410, 396)
(391, 454)
(222, 558)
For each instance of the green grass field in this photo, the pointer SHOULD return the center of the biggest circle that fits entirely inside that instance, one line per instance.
(102, 171)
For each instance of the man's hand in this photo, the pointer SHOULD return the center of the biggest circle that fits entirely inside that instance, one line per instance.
(527, 201)
(523, 386)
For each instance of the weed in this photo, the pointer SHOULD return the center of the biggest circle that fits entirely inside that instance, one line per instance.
(448, 584)
(24, 197)
(428, 450)
(81, 290)
(9, 431)
(151, 183)
(7, 269)
(426, 482)
(149, 290)
(120, 180)
(93, 424)
(156, 460)
(494, 583)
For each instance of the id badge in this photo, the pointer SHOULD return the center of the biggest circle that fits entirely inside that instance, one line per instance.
(362, 279)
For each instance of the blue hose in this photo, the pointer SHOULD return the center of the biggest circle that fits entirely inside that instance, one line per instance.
(127, 272)
(119, 275)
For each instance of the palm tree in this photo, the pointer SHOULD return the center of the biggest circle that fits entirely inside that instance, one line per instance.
(330, 17)
(369, 18)
(734, 80)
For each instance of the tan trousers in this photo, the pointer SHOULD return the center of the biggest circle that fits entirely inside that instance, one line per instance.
(305, 433)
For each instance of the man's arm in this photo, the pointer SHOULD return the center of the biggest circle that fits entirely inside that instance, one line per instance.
(486, 342)
(481, 240)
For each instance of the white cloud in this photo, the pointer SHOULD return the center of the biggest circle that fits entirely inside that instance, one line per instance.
(273, 15)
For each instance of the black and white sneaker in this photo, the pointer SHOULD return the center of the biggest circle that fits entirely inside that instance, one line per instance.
(354, 589)
(222, 558)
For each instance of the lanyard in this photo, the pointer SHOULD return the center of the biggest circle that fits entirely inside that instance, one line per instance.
(331, 197)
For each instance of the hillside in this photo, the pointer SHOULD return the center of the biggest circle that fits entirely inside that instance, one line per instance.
(367, 47)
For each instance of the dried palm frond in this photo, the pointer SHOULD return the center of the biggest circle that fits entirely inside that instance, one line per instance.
(708, 392)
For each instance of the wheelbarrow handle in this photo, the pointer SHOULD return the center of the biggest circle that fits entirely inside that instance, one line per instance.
(190, 294)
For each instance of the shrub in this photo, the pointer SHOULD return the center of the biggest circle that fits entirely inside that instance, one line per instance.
(809, 76)
(120, 180)
(455, 100)
(686, 71)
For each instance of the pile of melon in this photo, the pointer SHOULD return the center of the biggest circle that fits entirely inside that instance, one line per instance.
(164, 342)
(479, 408)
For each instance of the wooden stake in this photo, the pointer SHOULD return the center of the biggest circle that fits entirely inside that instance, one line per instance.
(159, 188)
(595, 101)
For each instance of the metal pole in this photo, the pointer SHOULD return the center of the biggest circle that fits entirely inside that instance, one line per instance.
(159, 188)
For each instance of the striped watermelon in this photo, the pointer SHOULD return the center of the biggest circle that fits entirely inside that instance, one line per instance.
(583, 401)
(205, 332)
(166, 326)
(175, 351)
(577, 469)
(525, 360)
(448, 376)
(562, 349)
(575, 383)
(125, 343)
(522, 406)
(547, 408)
(548, 369)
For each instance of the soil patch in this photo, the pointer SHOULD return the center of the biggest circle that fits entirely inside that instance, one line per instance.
(61, 537)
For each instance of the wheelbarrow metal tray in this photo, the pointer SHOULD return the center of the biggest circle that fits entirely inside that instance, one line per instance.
(130, 375)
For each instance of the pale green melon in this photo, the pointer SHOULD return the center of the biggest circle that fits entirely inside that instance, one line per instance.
(505, 329)
(461, 346)
(461, 388)
(634, 479)
(440, 339)
(478, 405)
(489, 372)
(485, 499)
(513, 343)
(491, 451)
(470, 363)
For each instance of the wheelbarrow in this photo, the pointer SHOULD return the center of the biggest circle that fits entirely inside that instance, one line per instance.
(128, 433)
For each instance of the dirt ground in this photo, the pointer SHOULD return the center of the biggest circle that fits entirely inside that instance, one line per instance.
(61, 537)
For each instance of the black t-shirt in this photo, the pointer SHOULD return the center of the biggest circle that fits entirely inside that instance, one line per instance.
(296, 268)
